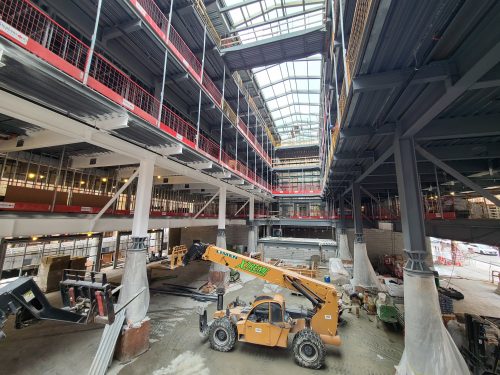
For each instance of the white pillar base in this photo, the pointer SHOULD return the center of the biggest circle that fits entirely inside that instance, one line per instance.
(363, 274)
(219, 274)
(343, 247)
(134, 278)
(429, 348)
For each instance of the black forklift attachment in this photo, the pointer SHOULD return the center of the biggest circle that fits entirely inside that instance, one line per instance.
(86, 296)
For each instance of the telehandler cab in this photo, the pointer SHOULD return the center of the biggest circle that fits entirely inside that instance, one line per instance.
(267, 321)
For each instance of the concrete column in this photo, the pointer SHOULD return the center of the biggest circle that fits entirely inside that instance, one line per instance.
(342, 241)
(135, 337)
(429, 348)
(363, 272)
(221, 225)
(251, 229)
(269, 230)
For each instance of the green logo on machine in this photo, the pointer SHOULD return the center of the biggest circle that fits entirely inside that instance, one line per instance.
(253, 268)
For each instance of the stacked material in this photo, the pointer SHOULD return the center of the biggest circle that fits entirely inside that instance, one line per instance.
(445, 303)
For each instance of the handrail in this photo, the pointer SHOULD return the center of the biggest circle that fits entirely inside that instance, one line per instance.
(32, 29)
(190, 61)
(199, 6)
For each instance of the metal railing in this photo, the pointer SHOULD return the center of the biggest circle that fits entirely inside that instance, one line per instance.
(192, 63)
(296, 162)
(361, 13)
(297, 189)
(104, 77)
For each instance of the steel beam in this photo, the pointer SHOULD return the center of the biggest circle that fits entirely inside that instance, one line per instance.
(464, 180)
(480, 67)
(461, 127)
(434, 72)
(40, 139)
(122, 29)
(35, 114)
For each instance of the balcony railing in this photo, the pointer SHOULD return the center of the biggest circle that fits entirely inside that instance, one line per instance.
(295, 162)
(26, 25)
(159, 23)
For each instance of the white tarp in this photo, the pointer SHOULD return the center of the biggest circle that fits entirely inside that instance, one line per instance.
(338, 273)
(364, 274)
(343, 245)
(429, 348)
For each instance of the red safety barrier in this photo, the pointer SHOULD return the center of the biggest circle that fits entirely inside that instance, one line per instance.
(25, 24)
(159, 23)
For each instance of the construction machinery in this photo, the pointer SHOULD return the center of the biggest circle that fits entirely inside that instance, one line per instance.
(267, 321)
(86, 296)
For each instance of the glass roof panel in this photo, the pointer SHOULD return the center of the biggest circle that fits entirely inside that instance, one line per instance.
(290, 89)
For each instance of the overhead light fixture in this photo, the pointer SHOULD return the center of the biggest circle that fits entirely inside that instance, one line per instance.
(82, 182)
(104, 179)
(125, 180)
(452, 193)
(158, 177)
(31, 175)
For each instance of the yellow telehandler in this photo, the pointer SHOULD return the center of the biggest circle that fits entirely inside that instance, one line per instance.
(267, 321)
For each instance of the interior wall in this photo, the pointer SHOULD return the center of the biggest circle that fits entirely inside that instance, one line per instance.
(380, 242)
(322, 233)
(235, 235)
(174, 237)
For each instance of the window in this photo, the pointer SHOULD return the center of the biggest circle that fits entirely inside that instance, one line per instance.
(276, 315)
(260, 314)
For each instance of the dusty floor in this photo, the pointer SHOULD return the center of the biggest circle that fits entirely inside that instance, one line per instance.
(176, 348)
(478, 290)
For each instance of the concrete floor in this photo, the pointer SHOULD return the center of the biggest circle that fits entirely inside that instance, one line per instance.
(478, 290)
(176, 347)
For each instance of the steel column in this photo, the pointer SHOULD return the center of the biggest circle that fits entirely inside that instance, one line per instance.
(356, 211)
(199, 94)
(410, 199)
(222, 112)
(90, 53)
(165, 60)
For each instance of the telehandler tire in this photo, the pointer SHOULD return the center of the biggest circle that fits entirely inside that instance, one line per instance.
(308, 349)
(222, 335)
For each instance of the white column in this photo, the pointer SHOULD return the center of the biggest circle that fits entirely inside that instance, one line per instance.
(134, 274)
(251, 229)
(221, 225)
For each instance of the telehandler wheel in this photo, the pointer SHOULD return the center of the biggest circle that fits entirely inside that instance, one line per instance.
(308, 349)
(222, 335)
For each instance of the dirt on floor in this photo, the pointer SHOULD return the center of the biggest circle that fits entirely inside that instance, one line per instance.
(176, 347)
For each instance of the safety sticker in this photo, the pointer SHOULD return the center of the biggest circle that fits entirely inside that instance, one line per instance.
(13, 32)
(258, 330)
(28, 296)
(128, 104)
(328, 317)
(7, 205)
